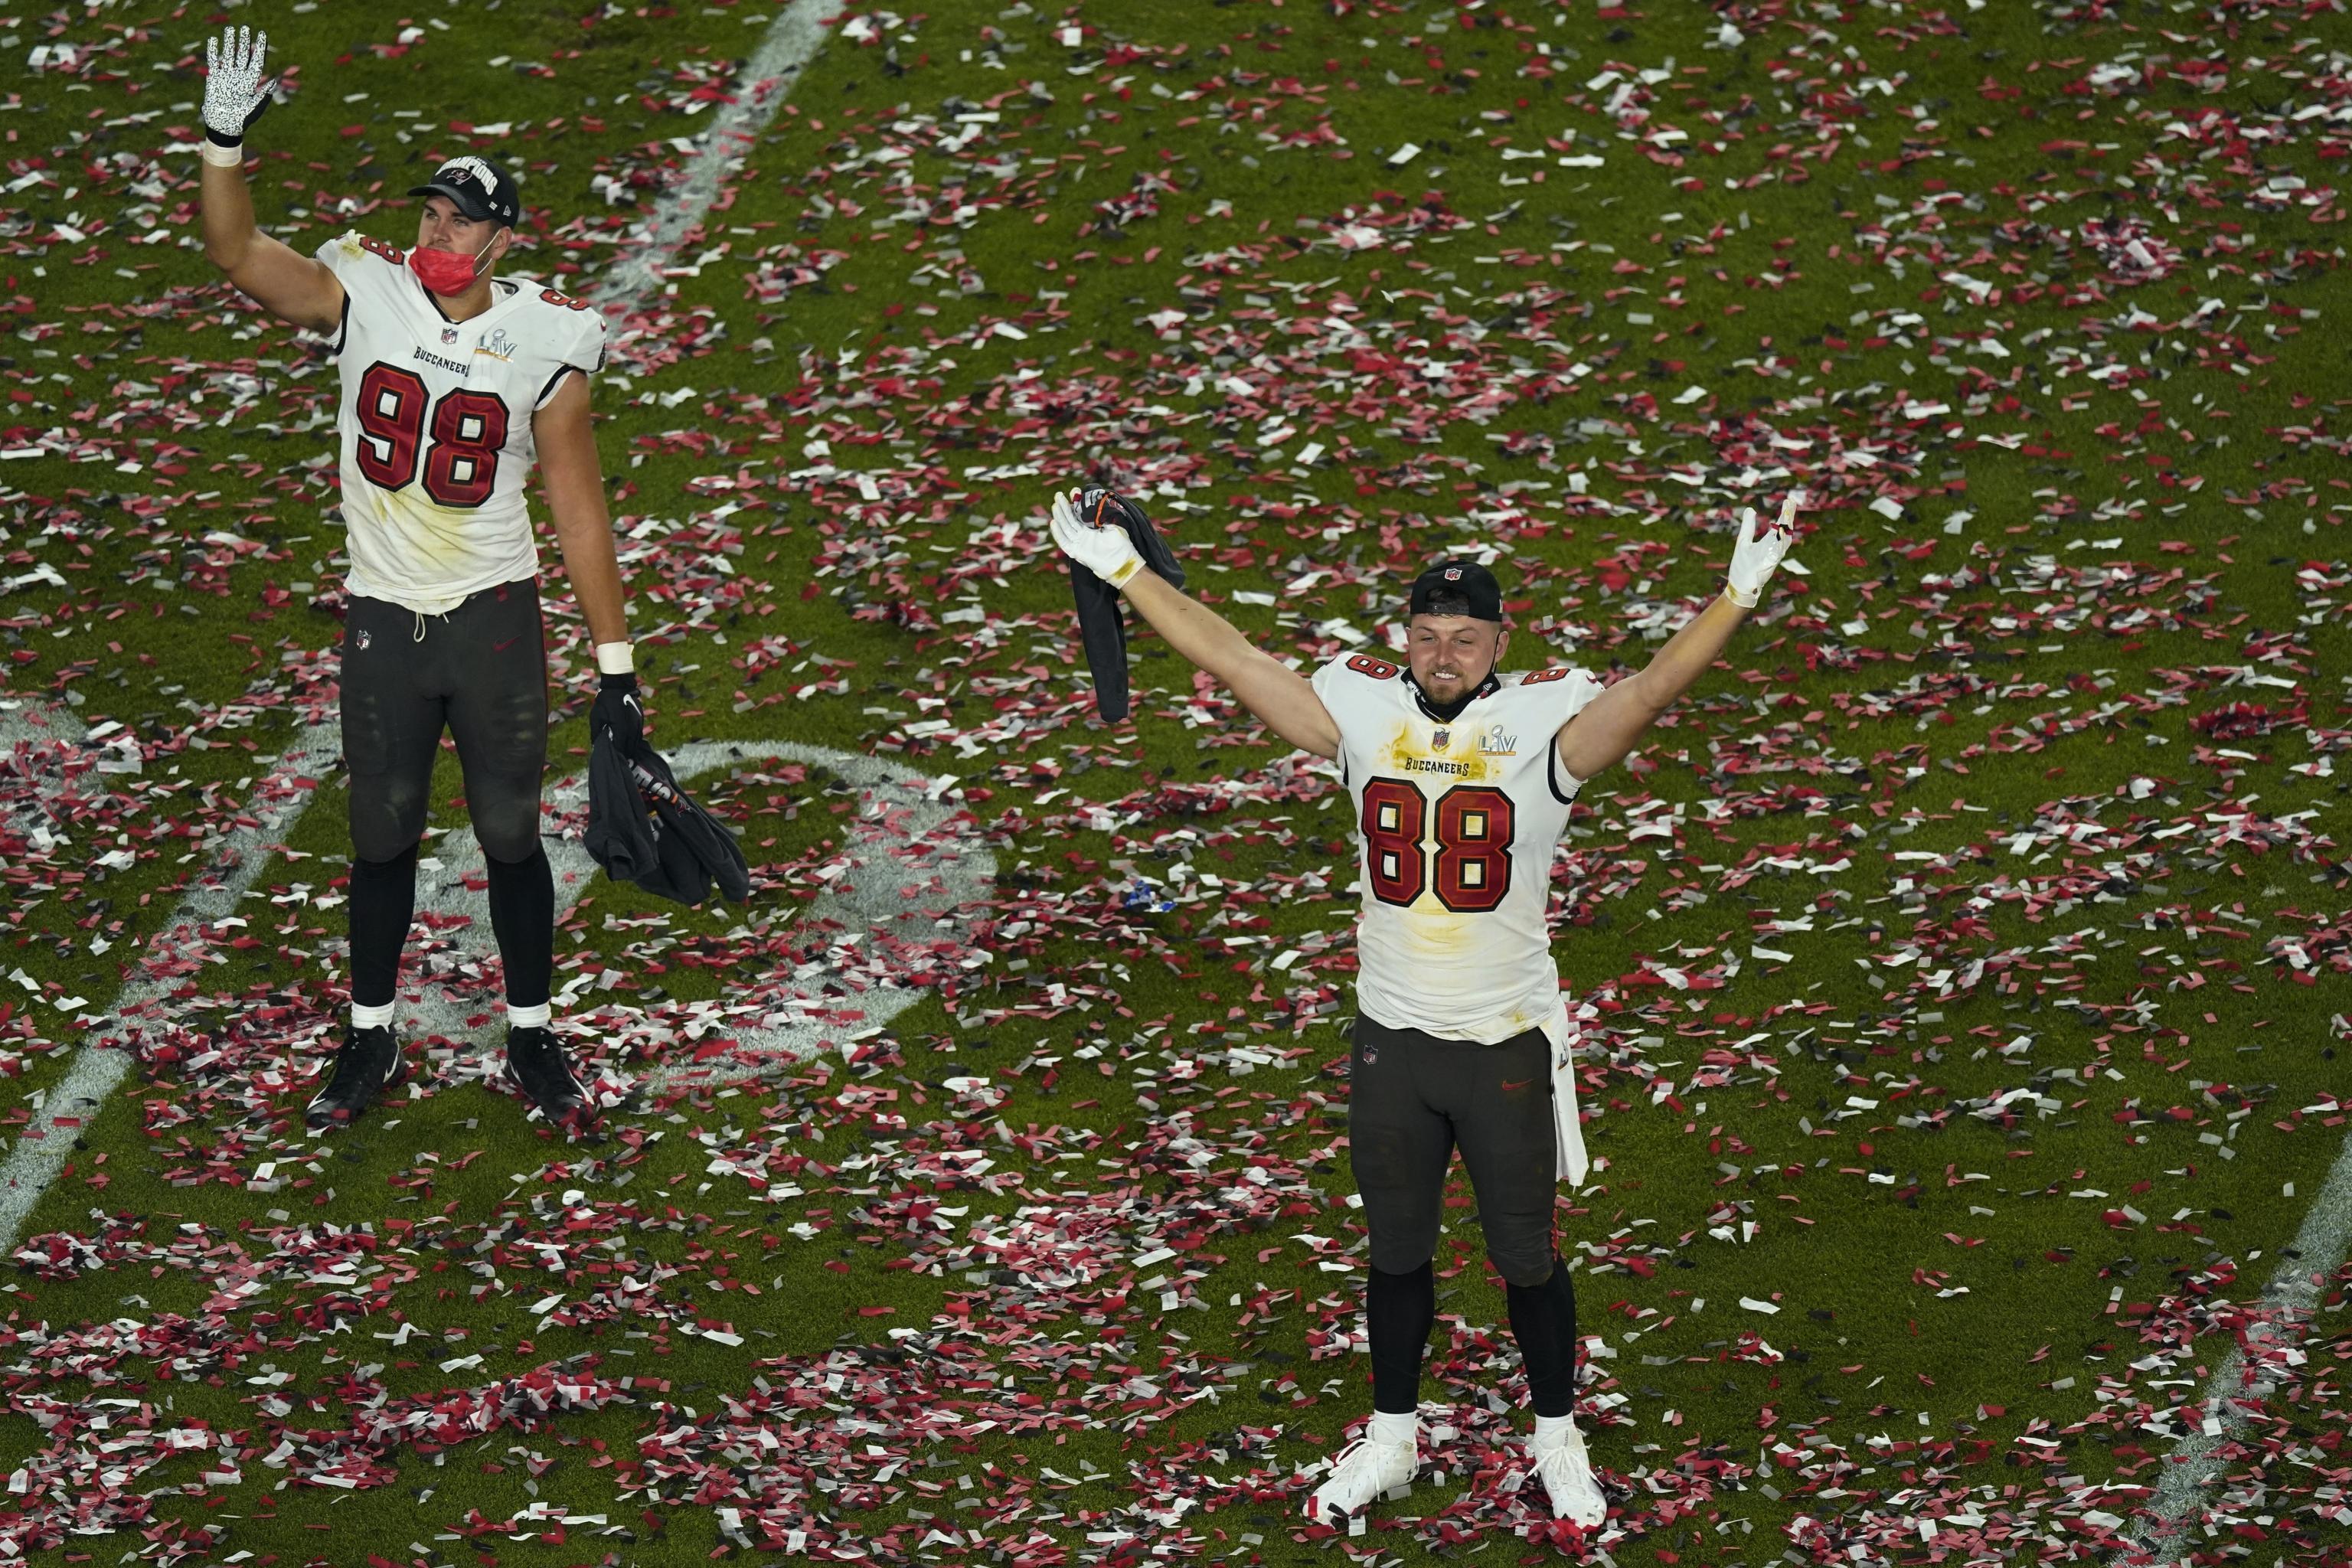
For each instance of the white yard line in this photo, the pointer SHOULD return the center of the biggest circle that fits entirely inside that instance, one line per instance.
(2165, 1524)
(41, 1150)
(766, 80)
(866, 901)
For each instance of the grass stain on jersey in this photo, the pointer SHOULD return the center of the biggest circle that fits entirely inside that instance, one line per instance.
(435, 532)
(1459, 763)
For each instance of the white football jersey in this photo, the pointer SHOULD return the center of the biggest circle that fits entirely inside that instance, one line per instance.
(434, 424)
(1457, 822)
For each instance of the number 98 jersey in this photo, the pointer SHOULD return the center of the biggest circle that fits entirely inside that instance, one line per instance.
(1457, 822)
(434, 424)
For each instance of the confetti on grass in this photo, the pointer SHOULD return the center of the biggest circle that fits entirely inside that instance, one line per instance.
(1949, 915)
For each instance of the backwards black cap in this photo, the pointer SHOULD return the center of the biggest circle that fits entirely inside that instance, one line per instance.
(481, 190)
(1461, 587)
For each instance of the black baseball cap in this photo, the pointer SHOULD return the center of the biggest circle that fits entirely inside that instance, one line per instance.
(480, 189)
(1465, 580)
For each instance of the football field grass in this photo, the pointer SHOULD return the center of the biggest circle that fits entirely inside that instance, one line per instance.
(1963, 966)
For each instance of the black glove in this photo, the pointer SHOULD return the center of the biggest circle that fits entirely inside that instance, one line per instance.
(618, 709)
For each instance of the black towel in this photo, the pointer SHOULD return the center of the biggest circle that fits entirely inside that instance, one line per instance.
(644, 828)
(710, 842)
(1101, 623)
(623, 835)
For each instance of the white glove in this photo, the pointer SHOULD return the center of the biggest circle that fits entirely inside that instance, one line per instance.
(1103, 549)
(233, 94)
(1754, 558)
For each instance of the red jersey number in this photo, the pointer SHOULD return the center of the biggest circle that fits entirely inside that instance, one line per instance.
(469, 430)
(1470, 868)
(1394, 815)
(391, 422)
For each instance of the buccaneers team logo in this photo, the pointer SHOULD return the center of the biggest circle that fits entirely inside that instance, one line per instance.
(459, 170)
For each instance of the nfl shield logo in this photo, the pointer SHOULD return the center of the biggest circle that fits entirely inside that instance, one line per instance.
(448, 334)
(362, 639)
(1439, 738)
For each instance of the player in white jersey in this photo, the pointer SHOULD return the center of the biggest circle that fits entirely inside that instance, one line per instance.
(454, 384)
(1461, 779)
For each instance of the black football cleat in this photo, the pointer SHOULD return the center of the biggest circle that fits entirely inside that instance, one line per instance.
(366, 1064)
(537, 1066)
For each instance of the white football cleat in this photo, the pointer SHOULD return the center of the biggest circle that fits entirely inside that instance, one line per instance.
(1362, 1472)
(1567, 1476)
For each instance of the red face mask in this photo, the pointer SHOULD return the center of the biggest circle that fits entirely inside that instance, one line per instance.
(445, 272)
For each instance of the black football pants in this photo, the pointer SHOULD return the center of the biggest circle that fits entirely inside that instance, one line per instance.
(1412, 1099)
(480, 673)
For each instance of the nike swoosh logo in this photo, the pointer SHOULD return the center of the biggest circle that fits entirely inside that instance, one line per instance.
(1508, 1086)
(502, 646)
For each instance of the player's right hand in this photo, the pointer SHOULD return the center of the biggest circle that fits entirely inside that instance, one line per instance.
(235, 94)
(1102, 548)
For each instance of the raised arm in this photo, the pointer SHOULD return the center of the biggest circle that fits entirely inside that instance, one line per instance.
(1277, 694)
(294, 288)
(1280, 697)
(1612, 723)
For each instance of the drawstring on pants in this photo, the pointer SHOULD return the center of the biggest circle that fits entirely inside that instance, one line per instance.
(419, 637)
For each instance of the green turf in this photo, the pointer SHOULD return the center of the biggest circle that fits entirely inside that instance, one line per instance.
(1760, 253)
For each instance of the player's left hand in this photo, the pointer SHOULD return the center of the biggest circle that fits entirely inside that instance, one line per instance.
(619, 710)
(1756, 556)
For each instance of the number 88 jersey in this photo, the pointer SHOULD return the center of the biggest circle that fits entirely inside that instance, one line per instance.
(1457, 822)
(434, 424)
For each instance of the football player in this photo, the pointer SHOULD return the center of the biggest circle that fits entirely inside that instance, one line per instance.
(1461, 779)
(454, 381)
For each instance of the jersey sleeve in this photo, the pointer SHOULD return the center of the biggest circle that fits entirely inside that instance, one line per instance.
(344, 254)
(1349, 686)
(365, 267)
(1326, 683)
(1345, 680)
(1558, 695)
(1563, 692)
(577, 340)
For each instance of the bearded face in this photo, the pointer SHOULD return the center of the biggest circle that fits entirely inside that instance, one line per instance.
(1450, 655)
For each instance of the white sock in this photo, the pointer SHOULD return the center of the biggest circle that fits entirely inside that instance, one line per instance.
(1551, 1431)
(371, 1018)
(1391, 1429)
(529, 1017)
